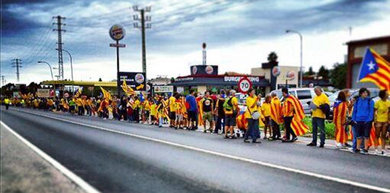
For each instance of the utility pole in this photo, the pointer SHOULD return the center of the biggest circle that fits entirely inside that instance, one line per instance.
(2, 80)
(144, 26)
(17, 63)
(59, 45)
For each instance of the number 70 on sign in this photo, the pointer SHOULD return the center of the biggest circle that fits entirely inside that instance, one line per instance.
(244, 84)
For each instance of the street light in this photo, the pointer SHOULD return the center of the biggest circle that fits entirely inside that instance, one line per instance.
(51, 71)
(301, 68)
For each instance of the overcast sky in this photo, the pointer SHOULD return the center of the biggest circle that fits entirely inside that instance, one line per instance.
(239, 34)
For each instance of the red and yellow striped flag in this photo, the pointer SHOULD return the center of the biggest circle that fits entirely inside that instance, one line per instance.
(276, 110)
(297, 124)
(339, 119)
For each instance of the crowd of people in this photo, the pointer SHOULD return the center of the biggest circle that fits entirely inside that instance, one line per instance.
(360, 119)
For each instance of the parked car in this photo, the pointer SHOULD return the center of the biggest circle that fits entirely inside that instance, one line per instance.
(304, 95)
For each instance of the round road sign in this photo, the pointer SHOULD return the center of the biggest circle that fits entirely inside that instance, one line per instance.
(244, 84)
(276, 71)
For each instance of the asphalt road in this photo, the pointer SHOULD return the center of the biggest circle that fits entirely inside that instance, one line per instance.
(140, 158)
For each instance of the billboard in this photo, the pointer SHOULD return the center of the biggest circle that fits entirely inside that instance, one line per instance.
(204, 70)
(136, 80)
(163, 89)
(43, 93)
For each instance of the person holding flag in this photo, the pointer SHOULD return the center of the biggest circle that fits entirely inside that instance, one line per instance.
(293, 115)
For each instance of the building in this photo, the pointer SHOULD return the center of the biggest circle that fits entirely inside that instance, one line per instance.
(206, 77)
(356, 51)
(160, 81)
(281, 80)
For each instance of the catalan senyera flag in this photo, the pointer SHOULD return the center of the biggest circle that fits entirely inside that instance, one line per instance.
(276, 110)
(375, 69)
(297, 124)
(106, 94)
(127, 89)
(339, 119)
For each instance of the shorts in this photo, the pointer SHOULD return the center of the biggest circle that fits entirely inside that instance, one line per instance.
(230, 121)
(172, 115)
(363, 129)
(207, 116)
(153, 117)
(192, 115)
(147, 113)
(179, 117)
(267, 121)
(381, 129)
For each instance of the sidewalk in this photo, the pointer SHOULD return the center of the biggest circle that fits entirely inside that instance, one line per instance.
(22, 170)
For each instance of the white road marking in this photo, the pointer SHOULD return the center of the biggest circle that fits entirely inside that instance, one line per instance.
(73, 177)
(261, 163)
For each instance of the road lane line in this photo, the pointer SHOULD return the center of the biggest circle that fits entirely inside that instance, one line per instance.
(69, 174)
(261, 163)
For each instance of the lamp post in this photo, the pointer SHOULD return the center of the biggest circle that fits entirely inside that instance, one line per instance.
(301, 68)
(71, 66)
(51, 71)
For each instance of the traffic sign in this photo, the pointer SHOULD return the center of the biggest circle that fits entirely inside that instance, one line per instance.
(117, 32)
(244, 84)
(117, 45)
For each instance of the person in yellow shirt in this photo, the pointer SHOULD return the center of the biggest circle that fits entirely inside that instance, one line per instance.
(172, 110)
(6, 102)
(153, 112)
(136, 106)
(179, 112)
(266, 112)
(50, 104)
(252, 115)
(79, 104)
(231, 109)
(146, 110)
(381, 117)
(319, 103)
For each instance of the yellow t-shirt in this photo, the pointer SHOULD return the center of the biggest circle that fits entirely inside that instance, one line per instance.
(136, 104)
(153, 109)
(146, 105)
(234, 105)
(266, 109)
(320, 100)
(382, 111)
(251, 106)
(172, 104)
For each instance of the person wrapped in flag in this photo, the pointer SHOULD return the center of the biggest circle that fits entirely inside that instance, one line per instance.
(276, 116)
(340, 109)
(293, 115)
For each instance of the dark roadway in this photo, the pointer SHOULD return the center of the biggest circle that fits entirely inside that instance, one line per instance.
(114, 162)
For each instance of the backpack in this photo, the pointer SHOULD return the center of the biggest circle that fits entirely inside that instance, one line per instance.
(228, 104)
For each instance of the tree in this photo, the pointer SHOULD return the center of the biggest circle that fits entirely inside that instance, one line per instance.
(272, 57)
(338, 75)
(323, 72)
(310, 72)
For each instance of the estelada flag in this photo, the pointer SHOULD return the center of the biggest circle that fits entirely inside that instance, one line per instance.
(106, 94)
(78, 93)
(339, 120)
(276, 110)
(297, 124)
(127, 89)
(375, 69)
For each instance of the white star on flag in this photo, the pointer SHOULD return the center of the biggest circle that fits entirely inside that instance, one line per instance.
(371, 66)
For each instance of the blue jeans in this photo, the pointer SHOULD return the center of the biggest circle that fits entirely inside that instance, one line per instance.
(318, 122)
(220, 124)
(253, 130)
(354, 141)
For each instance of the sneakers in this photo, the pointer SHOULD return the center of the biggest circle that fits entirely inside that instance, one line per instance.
(311, 144)
(364, 151)
(322, 145)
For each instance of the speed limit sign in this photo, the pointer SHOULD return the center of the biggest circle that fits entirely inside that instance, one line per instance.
(244, 84)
